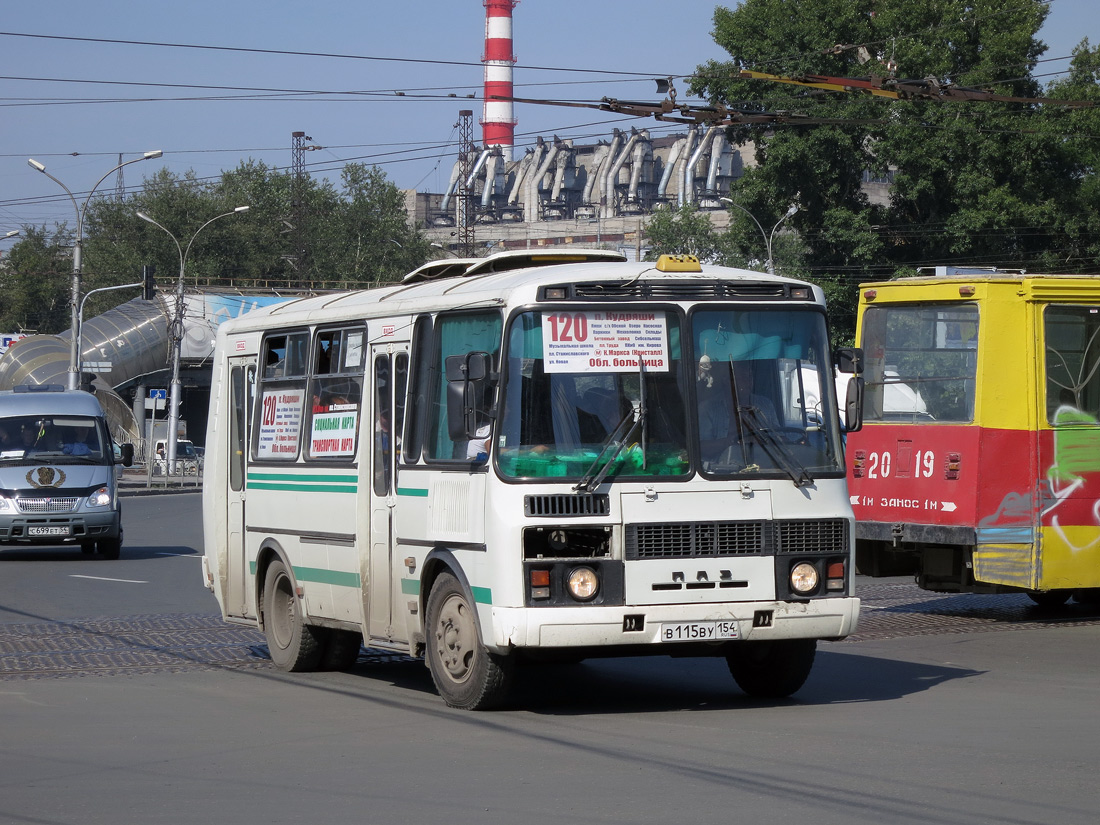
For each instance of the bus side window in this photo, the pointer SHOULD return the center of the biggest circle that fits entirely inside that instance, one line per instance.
(420, 381)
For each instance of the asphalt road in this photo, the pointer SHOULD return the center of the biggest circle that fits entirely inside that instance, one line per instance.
(124, 700)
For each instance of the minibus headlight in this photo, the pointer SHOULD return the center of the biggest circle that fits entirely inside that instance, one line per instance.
(803, 578)
(583, 584)
(100, 498)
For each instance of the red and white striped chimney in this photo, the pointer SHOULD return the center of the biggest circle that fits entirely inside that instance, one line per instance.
(498, 125)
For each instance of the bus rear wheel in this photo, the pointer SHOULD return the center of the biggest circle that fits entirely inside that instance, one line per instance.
(341, 649)
(772, 670)
(465, 673)
(294, 646)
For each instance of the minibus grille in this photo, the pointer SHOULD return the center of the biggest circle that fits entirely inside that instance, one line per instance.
(678, 540)
(564, 506)
(46, 505)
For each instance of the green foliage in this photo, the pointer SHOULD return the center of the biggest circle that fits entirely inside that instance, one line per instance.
(357, 235)
(36, 282)
(1006, 184)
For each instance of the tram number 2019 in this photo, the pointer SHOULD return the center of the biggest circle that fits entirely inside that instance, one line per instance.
(881, 465)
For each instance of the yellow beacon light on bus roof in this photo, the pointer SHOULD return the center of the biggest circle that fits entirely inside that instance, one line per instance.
(678, 263)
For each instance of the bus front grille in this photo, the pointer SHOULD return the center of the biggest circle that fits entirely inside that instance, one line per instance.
(679, 540)
(562, 506)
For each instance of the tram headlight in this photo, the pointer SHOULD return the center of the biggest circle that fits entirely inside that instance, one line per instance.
(583, 584)
(804, 578)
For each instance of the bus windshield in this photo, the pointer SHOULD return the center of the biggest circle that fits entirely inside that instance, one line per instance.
(576, 401)
(747, 393)
(37, 439)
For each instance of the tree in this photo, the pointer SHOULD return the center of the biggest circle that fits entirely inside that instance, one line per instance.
(357, 235)
(35, 282)
(978, 183)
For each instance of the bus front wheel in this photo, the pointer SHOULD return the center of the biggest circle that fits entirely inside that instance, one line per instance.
(466, 675)
(293, 645)
(772, 670)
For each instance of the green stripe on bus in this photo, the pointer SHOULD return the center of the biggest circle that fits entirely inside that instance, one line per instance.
(330, 477)
(303, 488)
(412, 491)
(411, 587)
(320, 575)
(324, 576)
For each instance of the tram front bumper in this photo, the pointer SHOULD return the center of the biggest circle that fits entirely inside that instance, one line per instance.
(666, 625)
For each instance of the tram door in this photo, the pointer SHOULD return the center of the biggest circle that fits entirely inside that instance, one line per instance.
(242, 386)
(389, 373)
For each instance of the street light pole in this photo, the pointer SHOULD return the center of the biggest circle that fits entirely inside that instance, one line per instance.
(176, 333)
(73, 380)
(768, 238)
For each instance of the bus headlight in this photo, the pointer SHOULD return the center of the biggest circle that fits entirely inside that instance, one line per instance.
(804, 578)
(583, 584)
(100, 498)
(6, 505)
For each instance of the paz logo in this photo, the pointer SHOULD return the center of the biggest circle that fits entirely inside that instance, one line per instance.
(46, 477)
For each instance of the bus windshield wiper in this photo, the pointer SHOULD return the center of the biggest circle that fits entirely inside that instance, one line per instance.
(775, 450)
(616, 441)
(747, 419)
(619, 439)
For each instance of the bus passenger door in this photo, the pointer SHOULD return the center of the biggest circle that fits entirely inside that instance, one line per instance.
(388, 377)
(242, 386)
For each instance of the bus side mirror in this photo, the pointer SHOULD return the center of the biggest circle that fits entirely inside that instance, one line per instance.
(467, 376)
(853, 405)
(850, 360)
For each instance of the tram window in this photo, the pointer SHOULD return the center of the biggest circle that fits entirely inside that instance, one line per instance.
(921, 362)
(1072, 339)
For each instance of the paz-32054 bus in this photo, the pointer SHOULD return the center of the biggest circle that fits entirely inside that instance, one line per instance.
(547, 455)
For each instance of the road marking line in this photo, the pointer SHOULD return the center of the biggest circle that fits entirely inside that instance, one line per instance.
(105, 579)
(182, 555)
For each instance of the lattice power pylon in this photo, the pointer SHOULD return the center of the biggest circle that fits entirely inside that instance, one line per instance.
(466, 152)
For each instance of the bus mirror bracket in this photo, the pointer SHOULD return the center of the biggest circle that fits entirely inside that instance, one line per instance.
(850, 360)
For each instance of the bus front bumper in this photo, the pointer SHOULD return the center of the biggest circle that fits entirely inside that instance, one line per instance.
(667, 625)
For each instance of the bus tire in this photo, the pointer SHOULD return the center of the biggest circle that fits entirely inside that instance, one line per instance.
(774, 669)
(341, 649)
(465, 673)
(294, 646)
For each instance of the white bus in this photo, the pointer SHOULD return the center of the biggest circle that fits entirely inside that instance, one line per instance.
(547, 456)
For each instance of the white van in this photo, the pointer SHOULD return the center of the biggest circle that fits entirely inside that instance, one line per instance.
(59, 471)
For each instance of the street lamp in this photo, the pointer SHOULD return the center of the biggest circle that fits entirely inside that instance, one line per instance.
(73, 381)
(770, 264)
(10, 234)
(177, 332)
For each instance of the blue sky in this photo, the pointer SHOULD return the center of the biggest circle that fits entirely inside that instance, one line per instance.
(78, 129)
